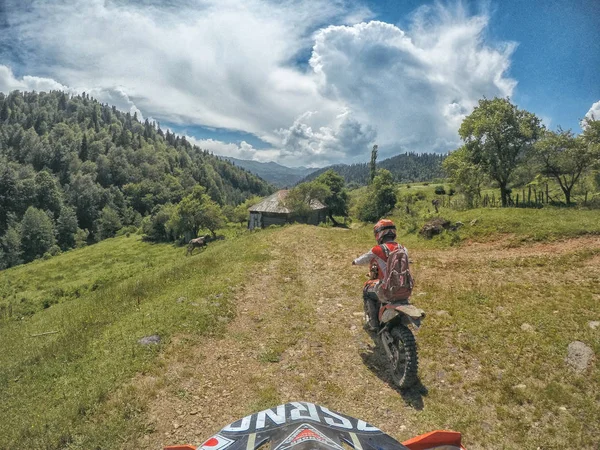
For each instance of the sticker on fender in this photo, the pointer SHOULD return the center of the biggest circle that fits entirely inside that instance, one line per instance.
(306, 433)
(217, 442)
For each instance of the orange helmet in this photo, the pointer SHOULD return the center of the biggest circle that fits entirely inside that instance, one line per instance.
(384, 228)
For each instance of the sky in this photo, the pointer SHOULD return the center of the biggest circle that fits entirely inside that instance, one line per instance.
(310, 82)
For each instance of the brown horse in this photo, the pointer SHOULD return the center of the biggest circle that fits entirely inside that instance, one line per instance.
(196, 243)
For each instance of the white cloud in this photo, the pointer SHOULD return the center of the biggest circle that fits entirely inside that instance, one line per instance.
(8, 82)
(414, 87)
(113, 96)
(232, 64)
(241, 151)
(343, 139)
(594, 111)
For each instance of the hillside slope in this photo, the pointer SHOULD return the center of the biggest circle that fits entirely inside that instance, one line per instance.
(94, 169)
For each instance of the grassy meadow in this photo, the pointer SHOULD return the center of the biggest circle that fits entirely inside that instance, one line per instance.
(504, 297)
(69, 389)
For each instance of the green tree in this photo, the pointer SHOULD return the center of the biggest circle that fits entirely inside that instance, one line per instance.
(373, 164)
(48, 195)
(8, 192)
(565, 158)
(66, 228)
(37, 234)
(87, 197)
(465, 174)
(498, 137)
(300, 198)
(11, 247)
(194, 212)
(385, 192)
(108, 223)
(155, 227)
(240, 213)
(337, 200)
(381, 197)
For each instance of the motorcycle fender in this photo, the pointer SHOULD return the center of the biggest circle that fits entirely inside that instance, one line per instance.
(407, 320)
(388, 315)
(439, 439)
(411, 311)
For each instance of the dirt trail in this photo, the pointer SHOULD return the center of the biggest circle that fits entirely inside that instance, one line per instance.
(292, 340)
(295, 337)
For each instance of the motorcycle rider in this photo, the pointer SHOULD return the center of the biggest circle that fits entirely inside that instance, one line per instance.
(385, 235)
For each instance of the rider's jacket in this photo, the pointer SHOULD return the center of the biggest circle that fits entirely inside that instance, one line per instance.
(378, 256)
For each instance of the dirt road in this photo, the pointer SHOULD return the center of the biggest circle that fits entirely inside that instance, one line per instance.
(298, 335)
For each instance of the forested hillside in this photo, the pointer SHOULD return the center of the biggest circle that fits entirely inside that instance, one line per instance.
(73, 170)
(407, 167)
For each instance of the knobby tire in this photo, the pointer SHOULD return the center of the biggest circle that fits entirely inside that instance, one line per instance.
(406, 363)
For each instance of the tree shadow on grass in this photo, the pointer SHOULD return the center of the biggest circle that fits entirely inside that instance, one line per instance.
(375, 358)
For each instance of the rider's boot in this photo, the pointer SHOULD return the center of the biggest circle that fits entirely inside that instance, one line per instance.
(372, 312)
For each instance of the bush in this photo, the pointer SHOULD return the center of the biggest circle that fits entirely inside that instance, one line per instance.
(439, 190)
(127, 231)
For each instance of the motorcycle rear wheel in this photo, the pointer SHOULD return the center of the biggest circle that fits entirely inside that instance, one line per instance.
(405, 362)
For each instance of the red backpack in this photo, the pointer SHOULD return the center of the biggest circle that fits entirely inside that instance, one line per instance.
(398, 281)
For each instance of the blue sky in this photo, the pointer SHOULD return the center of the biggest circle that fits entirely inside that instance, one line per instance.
(309, 82)
(557, 61)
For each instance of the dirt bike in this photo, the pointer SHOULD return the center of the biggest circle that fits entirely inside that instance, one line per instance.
(306, 426)
(396, 338)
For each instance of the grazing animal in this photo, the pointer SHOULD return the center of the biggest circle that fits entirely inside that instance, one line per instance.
(196, 243)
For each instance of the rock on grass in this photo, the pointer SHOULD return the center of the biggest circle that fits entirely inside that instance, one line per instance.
(579, 356)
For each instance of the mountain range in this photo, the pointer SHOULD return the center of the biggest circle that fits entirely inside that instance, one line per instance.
(274, 173)
(406, 167)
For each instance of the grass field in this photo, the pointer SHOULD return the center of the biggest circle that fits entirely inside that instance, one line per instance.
(273, 316)
(55, 388)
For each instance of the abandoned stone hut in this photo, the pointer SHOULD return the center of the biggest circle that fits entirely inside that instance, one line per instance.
(273, 211)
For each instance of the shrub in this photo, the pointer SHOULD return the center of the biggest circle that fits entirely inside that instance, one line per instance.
(439, 190)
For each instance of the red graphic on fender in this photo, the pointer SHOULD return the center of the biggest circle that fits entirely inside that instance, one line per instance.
(217, 442)
(307, 433)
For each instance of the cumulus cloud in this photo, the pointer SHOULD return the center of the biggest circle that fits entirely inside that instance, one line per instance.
(8, 82)
(343, 139)
(232, 64)
(594, 111)
(414, 87)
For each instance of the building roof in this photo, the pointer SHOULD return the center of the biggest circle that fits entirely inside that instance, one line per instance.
(275, 203)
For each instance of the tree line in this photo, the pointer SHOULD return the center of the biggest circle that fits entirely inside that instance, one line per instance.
(406, 167)
(74, 171)
(508, 146)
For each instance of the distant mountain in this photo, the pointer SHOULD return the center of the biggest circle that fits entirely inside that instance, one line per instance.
(407, 167)
(280, 176)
